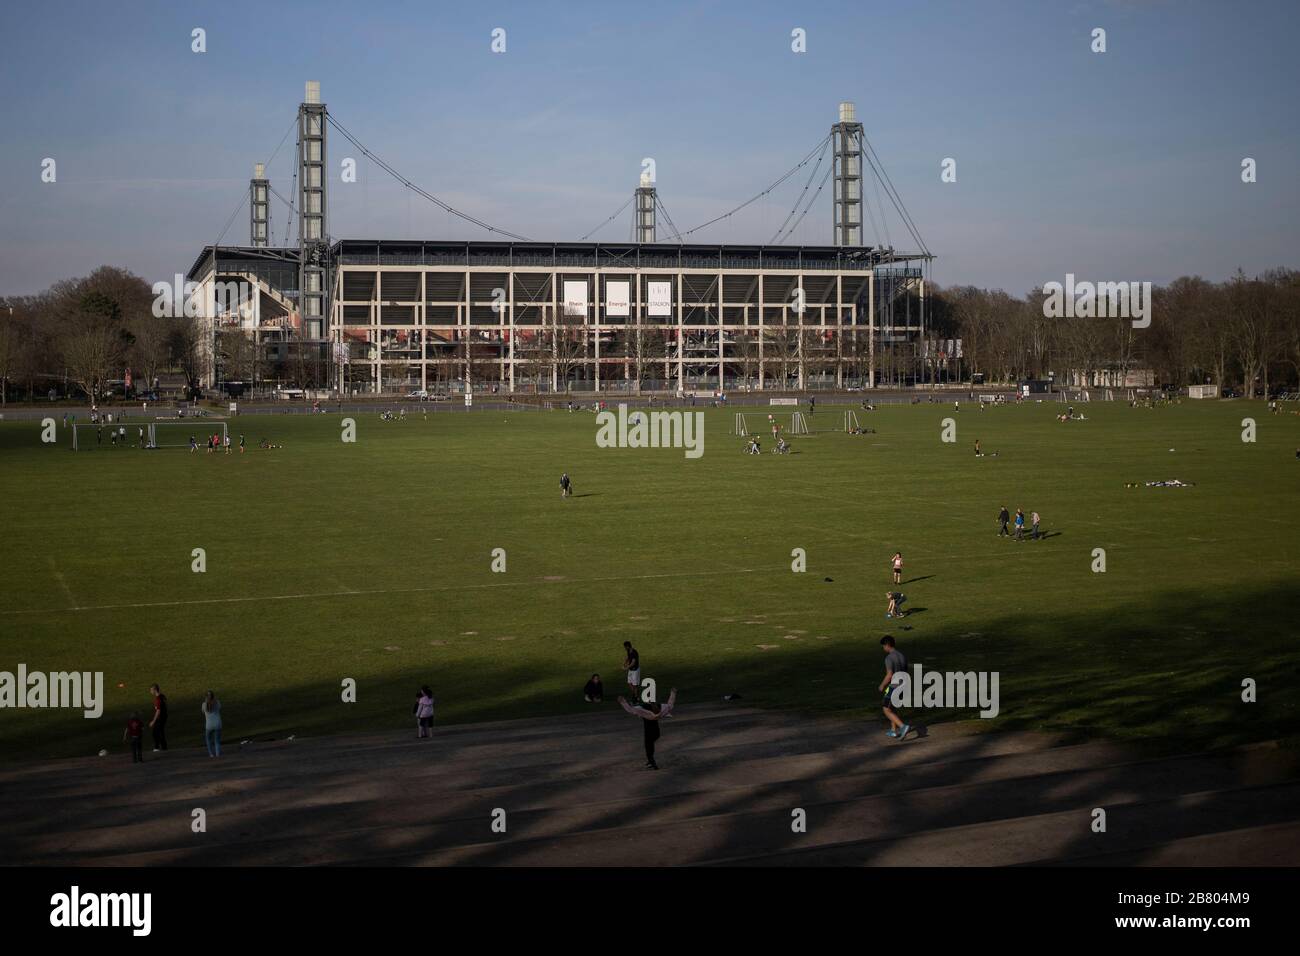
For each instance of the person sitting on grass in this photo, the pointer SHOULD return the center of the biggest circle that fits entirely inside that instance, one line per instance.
(594, 692)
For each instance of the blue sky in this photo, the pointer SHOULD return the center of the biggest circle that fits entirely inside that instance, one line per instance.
(1120, 165)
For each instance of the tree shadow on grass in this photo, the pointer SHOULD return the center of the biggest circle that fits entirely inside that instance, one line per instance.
(1079, 676)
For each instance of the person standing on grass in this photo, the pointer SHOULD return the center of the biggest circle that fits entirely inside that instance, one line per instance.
(565, 485)
(424, 712)
(134, 734)
(1020, 525)
(895, 664)
(212, 724)
(1003, 518)
(898, 567)
(632, 664)
(650, 716)
(1034, 520)
(159, 723)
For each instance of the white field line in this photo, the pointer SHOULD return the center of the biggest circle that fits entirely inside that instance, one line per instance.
(316, 595)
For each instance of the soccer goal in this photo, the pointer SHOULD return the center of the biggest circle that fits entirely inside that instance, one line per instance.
(798, 424)
(851, 423)
(741, 427)
(178, 434)
(87, 436)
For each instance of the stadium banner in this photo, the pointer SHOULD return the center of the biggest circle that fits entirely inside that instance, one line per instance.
(575, 298)
(660, 295)
(618, 298)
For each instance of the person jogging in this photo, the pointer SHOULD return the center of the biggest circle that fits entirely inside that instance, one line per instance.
(895, 664)
(650, 716)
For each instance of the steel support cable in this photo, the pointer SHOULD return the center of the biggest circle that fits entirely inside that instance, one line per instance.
(799, 198)
(731, 212)
(416, 189)
(812, 199)
(878, 169)
(659, 204)
(610, 219)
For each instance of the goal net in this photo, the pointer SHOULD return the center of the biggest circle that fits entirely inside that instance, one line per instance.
(88, 436)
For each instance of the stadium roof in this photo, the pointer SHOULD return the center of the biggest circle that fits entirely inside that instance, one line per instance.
(559, 255)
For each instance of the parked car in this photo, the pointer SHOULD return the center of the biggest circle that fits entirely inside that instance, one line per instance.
(419, 393)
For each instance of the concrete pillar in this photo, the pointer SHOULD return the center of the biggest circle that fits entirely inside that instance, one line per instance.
(871, 329)
(510, 295)
(762, 328)
(722, 353)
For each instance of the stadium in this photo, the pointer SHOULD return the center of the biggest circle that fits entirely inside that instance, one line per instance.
(398, 316)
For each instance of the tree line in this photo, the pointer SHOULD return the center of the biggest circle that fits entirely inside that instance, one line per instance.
(1243, 332)
(79, 336)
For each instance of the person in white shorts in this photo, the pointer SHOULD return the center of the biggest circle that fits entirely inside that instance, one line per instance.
(632, 663)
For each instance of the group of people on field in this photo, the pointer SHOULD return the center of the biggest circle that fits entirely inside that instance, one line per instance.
(1004, 518)
(217, 443)
(135, 725)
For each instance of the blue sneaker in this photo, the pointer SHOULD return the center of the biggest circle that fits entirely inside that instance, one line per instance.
(903, 733)
(890, 733)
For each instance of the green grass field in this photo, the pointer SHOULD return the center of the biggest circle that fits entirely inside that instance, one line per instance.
(371, 561)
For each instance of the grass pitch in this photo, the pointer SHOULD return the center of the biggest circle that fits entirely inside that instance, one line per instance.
(372, 561)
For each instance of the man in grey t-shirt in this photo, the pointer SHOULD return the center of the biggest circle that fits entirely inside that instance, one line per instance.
(895, 663)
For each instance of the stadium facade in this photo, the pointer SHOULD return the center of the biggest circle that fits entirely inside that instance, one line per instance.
(383, 316)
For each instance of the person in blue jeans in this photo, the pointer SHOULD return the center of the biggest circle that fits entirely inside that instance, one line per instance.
(212, 724)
